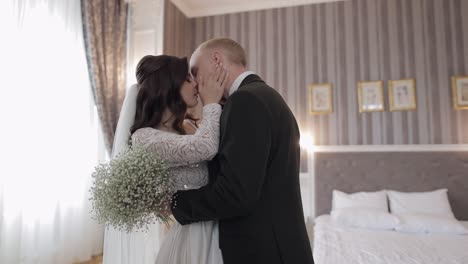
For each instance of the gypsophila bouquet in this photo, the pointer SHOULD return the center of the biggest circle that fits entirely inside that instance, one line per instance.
(132, 191)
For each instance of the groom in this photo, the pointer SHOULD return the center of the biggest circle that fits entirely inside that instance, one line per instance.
(254, 187)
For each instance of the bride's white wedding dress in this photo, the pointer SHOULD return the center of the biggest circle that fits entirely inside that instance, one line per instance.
(187, 157)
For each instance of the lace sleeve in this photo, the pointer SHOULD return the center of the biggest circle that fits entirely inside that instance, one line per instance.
(180, 150)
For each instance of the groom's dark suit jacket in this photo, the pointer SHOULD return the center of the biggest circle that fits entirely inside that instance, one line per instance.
(254, 182)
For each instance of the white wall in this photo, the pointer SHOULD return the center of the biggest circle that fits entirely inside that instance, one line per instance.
(146, 32)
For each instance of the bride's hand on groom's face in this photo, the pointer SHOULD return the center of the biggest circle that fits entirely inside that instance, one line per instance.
(211, 88)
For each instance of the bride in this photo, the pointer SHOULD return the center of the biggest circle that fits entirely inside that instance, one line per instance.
(154, 115)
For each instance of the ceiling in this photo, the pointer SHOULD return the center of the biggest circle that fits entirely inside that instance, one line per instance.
(198, 8)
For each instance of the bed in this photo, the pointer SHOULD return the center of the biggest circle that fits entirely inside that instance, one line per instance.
(335, 244)
(409, 172)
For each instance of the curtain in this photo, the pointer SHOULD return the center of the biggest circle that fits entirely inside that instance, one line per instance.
(49, 135)
(105, 31)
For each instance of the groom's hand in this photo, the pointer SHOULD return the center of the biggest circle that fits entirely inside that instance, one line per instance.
(175, 209)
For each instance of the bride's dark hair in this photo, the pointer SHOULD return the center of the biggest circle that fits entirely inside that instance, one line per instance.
(160, 80)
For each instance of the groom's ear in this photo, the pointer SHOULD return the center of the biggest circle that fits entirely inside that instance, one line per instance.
(217, 57)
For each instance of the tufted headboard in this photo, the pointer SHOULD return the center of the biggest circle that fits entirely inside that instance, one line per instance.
(402, 171)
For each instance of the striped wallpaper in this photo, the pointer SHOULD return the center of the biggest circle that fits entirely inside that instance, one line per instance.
(177, 32)
(343, 43)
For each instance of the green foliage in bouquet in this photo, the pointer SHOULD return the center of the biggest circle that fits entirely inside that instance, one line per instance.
(132, 191)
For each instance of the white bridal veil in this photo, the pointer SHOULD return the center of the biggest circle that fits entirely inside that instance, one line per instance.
(126, 119)
(134, 247)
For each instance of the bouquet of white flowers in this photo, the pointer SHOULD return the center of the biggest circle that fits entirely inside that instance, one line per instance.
(131, 191)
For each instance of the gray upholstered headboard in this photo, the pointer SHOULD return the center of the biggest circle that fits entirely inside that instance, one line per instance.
(403, 171)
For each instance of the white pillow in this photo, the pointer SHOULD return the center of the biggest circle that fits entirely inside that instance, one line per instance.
(365, 218)
(435, 202)
(429, 223)
(366, 200)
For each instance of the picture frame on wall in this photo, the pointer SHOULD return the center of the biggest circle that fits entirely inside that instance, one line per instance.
(460, 92)
(321, 98)
(371, 96)
(402, 95)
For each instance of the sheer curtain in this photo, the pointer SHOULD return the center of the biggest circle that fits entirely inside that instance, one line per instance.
(49, 135)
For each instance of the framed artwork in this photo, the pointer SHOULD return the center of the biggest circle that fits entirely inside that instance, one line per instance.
(370, 96)
(402, 94)
(320, 98)
(460, 92)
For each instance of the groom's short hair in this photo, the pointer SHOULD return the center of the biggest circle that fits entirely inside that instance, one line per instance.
(234, 50)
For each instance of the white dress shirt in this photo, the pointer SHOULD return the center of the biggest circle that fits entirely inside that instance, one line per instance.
(237, 82)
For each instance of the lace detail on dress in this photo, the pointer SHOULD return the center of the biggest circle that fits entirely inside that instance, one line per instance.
(186, 155)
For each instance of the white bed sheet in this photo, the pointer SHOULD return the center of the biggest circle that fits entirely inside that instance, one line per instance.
(334, 244)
